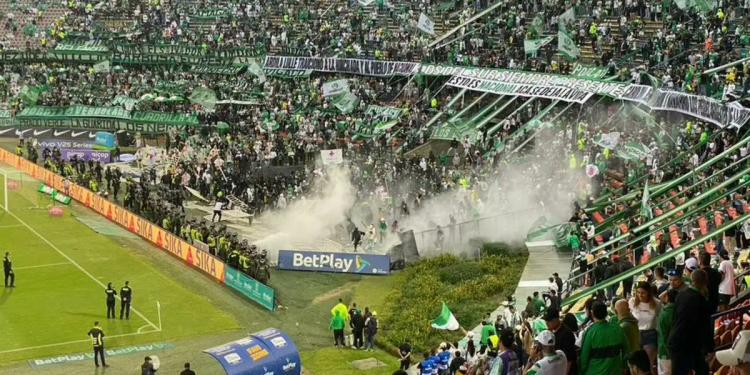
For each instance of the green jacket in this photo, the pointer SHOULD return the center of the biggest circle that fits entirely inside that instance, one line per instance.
(664, 328)
(337, 322)
(487, 331)
(629, 326)
(603, 350)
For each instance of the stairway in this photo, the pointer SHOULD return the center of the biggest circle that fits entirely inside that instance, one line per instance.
(588, 56)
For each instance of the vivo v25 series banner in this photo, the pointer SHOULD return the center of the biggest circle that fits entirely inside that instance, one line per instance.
(366, 264)
(160, 238)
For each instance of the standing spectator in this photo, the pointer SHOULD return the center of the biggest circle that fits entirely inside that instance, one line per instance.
(714, 279)
(692, 335)
(147, 368)
(509, 363)
(97, 338)
(547, 360)
(727, 288)
(676, 281)
(664, 328)
(337, 326)
(404, 352)
(187, 370)
(10, 277)
(660, 282)
(559, 283)
(357, 324)
(645, 308)
(565, 340)
(371, 329)
(629, 325)
(487, 330)
(604, 345)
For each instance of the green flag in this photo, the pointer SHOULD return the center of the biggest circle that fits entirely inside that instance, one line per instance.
(346, 102)
(531, 46)
(566, 45)
(645, 208)
(536, 28)
(205, 97)
(446, 320)
(30, 95)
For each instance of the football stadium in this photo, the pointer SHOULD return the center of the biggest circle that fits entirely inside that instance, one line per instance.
(377, 187)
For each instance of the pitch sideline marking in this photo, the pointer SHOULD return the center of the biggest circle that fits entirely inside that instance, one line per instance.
(77, 265)
(74, 342)
(42, 265)
(10, 226)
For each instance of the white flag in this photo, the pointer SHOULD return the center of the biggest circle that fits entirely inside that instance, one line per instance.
(568, 16)
(332, 157)
(608, 140)
(425, 24)
(337, 87)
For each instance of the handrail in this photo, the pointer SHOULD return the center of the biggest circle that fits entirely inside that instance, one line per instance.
(494, 129)
(636, 270)
(494, 114)
(647, 234)
(538, 117)
(663, 188)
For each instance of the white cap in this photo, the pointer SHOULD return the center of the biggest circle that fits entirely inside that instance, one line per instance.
(546, 338)
(739, 353)
(691, 264)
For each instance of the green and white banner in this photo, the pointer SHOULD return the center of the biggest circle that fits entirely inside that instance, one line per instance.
(102, 118)
(287, 73)
(205, 97)
(224, 70)
(589, 71)
(383, 113)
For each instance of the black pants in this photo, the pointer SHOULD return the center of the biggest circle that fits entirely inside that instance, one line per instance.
(99, 352)
(125, 308)
(10, 276)
(405, 363)
(685, 360)
(110, 309)
(216, 213)
(358, 339)
(338, 337)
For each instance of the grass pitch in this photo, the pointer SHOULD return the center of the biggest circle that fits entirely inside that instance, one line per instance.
(62, 267)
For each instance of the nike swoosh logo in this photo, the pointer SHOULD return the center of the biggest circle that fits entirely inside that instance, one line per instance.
(92, 135)
(74, 134)
(21, 133)
(6, 130)
(38, 133)
(57, 134)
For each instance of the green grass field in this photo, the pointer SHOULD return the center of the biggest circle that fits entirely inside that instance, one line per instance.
(62, 266)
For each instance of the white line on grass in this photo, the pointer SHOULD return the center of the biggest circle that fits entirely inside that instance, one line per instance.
(74, 342)
(76, 264)
(42, 265)
(10, 226)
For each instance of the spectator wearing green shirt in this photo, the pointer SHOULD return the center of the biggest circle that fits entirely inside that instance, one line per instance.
(574, 242)
(663, 329)
(604, 345)
(487, 330)
(337, 326)
(539, 304)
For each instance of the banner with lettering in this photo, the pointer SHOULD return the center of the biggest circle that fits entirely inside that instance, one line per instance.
(103, 118)
(336, 65)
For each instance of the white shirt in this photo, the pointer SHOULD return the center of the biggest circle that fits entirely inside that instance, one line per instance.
(217, 206)
(555, 364)
(726, 286)
(645, 314)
